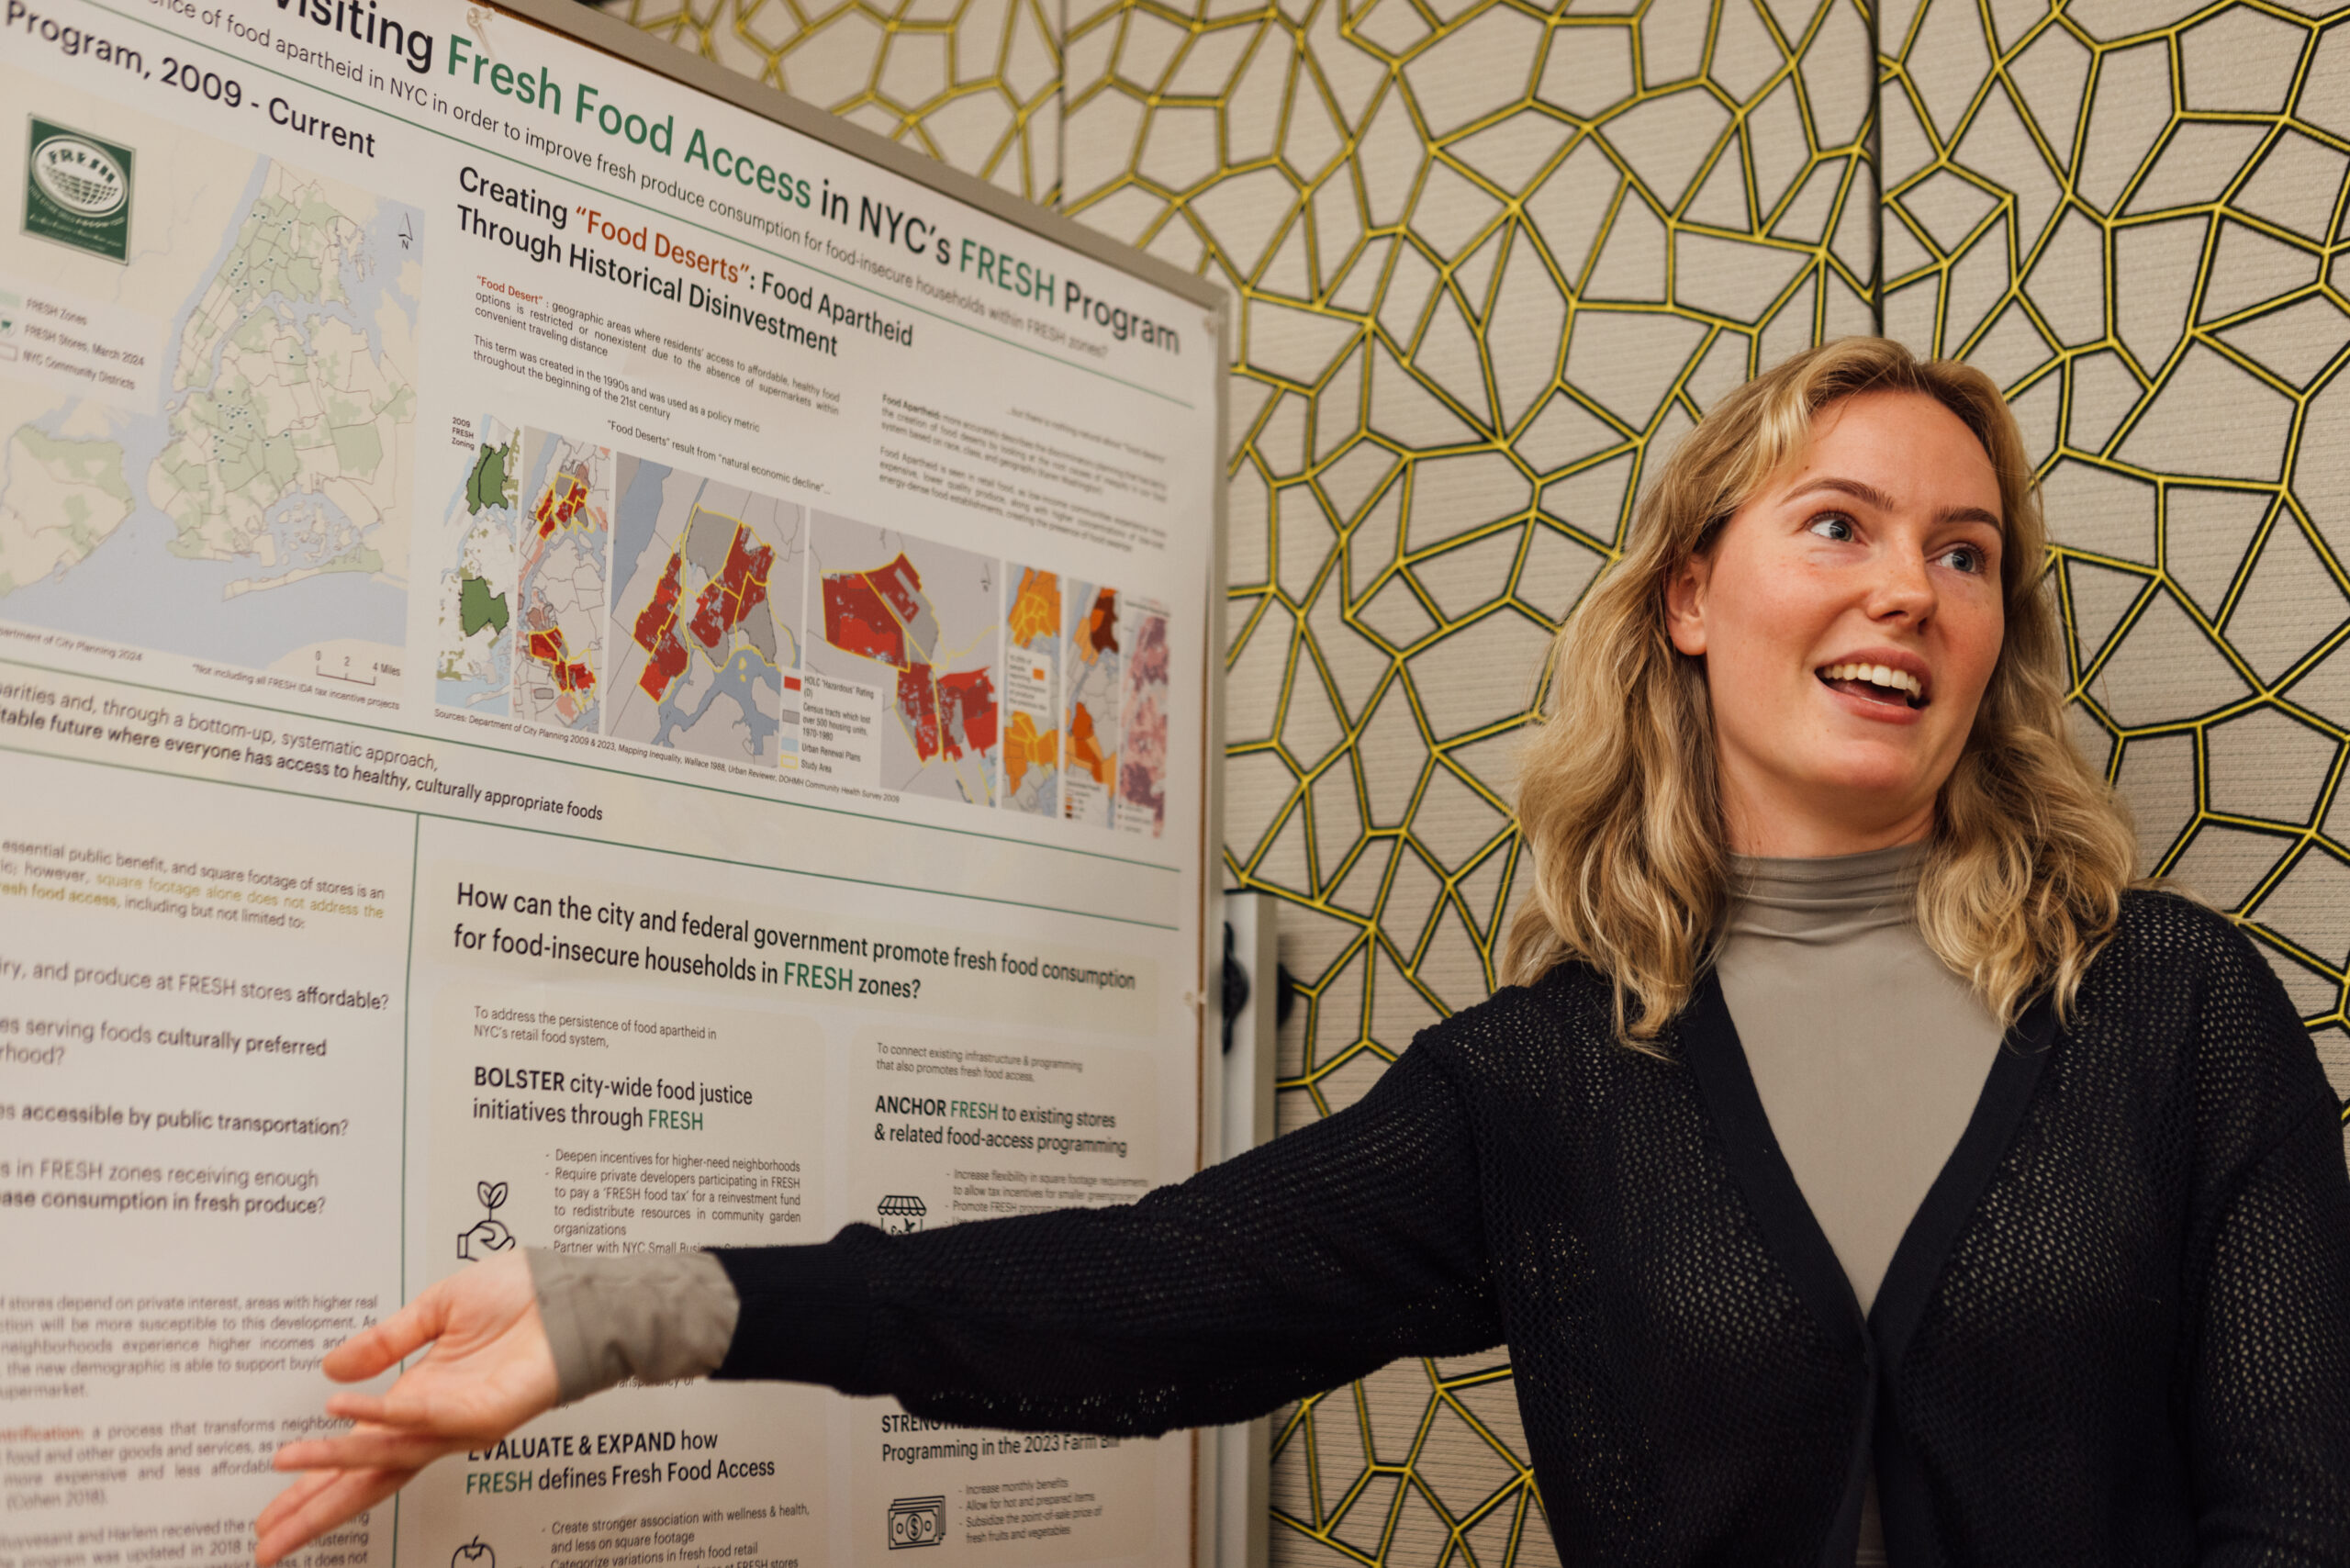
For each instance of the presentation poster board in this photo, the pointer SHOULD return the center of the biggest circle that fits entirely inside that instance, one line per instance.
(585, 661)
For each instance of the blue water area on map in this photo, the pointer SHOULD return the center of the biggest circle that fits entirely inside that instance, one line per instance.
(395, 238)
(639, 508)
(743, 673)
(132, 589)
(480, 695)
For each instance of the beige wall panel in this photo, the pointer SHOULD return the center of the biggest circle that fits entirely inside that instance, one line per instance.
(2127, 213)
(973, 83)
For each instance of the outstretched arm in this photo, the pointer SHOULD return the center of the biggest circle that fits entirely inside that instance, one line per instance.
(1292, 1269)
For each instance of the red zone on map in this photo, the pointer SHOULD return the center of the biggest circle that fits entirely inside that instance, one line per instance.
(740, 588)
(866, 613)
(557, 511)
(570, 674)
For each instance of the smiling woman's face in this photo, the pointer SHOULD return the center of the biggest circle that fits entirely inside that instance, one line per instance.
(1849, 616)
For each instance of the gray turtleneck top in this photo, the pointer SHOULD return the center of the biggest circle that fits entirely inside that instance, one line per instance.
(1867, 1052)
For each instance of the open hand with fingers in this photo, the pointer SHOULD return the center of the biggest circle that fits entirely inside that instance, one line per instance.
(488, 1370)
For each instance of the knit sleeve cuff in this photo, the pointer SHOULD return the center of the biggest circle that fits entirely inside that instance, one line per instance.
(806, 1314)
(646, 1316)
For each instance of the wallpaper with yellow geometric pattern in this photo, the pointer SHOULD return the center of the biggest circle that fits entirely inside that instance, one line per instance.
(1492, 258)
(2132, 216)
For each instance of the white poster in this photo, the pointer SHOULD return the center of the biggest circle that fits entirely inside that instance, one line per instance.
(577, 669)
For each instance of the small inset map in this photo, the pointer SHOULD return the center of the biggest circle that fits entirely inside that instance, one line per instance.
(1093, 676)
(212, 453)
(1142, 724)
(919, 623)
(561, 602)
(473, 666)
(1032, 666)
(708, 615)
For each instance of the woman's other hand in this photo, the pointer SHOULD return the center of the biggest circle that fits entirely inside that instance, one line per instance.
(489, 1371)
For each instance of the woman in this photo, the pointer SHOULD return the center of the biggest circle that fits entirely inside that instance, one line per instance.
(1855, 1164)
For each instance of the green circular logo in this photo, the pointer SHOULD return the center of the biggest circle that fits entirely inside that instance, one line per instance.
(81, 176)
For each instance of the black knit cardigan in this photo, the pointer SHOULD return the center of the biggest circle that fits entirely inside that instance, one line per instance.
(2118, 1330)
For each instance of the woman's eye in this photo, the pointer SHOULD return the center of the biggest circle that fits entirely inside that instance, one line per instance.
(1964, 559)
(1833, 527)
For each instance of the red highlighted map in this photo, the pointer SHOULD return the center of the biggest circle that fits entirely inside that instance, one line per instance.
(569, 674)
(918, 706)
(725, 602)
(967, 702)
(559, 508)
(881, 615)
(856, 622)
(917, 623)
(656, 633)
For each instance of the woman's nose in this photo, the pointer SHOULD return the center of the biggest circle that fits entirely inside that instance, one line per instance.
(1902, 587)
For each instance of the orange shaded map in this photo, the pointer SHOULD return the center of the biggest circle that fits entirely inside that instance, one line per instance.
(1096, 635)
(1023, 748)
(1084, 751)
(1099, 632)
(1036, 608)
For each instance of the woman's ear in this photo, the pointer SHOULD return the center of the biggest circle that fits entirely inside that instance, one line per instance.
(1684, 605)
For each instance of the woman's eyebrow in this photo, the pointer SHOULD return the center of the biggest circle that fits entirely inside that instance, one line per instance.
(1869, 495)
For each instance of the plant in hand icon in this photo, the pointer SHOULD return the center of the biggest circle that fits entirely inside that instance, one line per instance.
(485, 1235)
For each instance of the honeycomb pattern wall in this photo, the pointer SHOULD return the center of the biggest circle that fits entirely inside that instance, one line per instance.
(974, 82)
(1492, 258)
(2132, 215)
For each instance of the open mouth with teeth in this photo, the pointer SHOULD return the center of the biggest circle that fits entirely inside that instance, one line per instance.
(1875, 683)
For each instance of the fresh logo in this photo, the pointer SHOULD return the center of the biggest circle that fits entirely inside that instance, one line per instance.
(77, 190)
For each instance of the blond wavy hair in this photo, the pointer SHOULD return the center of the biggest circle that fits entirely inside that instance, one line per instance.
(1619, 796)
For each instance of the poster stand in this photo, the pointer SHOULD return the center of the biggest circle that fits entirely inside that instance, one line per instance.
(590, 658)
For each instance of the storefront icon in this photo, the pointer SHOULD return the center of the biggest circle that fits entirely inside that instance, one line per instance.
(901, 1214)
